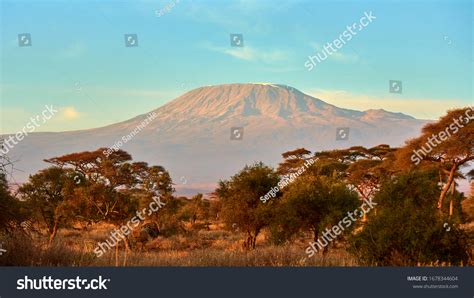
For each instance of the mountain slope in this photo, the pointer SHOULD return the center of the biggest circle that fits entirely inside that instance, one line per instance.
(191, 135)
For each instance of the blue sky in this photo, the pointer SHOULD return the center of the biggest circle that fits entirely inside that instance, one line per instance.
(78, 61)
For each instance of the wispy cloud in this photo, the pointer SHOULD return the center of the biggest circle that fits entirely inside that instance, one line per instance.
(251, 54)
(423, 108)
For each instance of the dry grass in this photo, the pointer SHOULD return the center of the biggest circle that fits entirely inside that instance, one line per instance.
(213, 247)
(23, 251)
(264, 256)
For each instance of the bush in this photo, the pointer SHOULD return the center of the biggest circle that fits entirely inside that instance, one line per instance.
(22, 251)
(407, 229)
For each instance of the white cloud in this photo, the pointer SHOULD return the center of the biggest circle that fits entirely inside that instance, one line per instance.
(422, 108)
(251, 54)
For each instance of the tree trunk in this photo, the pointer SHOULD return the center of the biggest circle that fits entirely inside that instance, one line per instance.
(315, 234)
(251, 240)
(116, 254)
(442, 196)
(254, 241)
(127, 249)
(451, 202)
(451, 208)
(53, 232)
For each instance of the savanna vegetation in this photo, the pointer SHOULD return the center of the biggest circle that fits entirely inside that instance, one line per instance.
(421, 218)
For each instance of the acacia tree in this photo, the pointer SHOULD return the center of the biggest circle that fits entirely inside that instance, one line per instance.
(111, 179)
(113, 186)
(366, 174)
(241, 203)
(293, 161)
(46, 193)
(449, 142)
(363, 169)
(316, 203)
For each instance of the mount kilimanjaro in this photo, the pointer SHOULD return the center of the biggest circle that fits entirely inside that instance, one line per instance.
(191, 135)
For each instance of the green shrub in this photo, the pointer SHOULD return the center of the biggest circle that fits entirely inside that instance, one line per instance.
(407, 229)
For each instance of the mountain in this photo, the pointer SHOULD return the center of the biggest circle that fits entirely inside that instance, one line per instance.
(191, 135)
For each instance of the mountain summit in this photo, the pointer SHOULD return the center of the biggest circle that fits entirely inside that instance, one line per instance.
(223, 101)
(191, 135)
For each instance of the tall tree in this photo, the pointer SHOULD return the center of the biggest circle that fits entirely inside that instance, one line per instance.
(293, 161)
(448, 142)
(46, 193)
(316, 203)
(241, 204)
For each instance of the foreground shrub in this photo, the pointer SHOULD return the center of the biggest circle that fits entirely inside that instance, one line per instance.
(407, 229)
(23, 251)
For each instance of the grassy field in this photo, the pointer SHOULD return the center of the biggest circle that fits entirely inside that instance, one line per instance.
(194, 246)
(213, 247)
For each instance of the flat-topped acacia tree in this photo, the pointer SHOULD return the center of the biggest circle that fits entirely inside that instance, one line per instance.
(108, 178)
(454, 147)
(112, 187)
